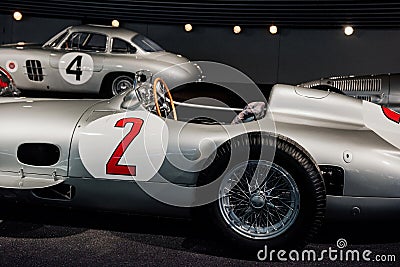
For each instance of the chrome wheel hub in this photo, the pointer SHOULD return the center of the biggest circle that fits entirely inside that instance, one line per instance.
(121, 84)
(259, 199)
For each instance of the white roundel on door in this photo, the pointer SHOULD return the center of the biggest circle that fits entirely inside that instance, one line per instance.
(76, 68)
(12, 66)
(124, 146)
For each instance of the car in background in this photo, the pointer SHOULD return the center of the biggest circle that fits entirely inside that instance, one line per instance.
(7, 85)
(382, 89)
(91, 59)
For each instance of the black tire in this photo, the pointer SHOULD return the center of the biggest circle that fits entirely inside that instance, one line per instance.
(296, 162)
(114, 84)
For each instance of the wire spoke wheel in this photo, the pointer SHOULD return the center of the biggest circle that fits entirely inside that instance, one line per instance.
(259, 199)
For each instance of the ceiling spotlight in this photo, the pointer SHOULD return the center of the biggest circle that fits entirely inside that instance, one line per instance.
(348, 30)
(188, 27)
(237, 29)
(273, 29)
(115, 23)
(17, 15)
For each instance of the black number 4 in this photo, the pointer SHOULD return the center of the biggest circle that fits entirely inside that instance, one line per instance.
(77, 71)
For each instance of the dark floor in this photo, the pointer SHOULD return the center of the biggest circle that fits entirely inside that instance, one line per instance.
(31, 236)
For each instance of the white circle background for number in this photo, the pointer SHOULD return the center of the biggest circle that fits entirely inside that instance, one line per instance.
(147, 151)
(86, 68)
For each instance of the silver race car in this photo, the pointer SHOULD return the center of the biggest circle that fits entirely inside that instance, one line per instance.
(90, 59)
(262, 175)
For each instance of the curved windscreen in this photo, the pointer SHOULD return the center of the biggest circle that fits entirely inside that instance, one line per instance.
(146, 44)
(56, 40)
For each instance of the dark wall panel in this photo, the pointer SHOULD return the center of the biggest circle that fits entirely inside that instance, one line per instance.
(36, 30)
(253, 52)
(5, 29)
(311, 54)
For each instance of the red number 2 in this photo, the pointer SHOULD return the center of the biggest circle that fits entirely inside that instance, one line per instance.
(113, 166)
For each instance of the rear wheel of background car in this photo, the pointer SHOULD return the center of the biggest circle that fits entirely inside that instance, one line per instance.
(279, 203)
(121, 84)
(116, 84)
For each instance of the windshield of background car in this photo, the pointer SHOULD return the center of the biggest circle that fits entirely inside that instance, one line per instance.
(86, 41)
(57, 40)
(146, 44)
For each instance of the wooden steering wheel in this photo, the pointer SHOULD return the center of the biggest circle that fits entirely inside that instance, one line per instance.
(165, 89)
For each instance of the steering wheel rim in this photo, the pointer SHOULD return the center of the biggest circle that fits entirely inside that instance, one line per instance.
(165, 86)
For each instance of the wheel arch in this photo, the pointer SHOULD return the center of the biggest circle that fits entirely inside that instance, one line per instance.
(255, 138)
(108, 78)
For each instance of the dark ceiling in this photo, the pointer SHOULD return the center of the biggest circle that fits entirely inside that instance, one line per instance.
(315, 14)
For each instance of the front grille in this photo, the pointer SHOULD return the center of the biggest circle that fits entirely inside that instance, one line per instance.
(360, 85)
(34, 70)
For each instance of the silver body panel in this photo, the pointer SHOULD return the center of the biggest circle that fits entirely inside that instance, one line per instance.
(56, 127)
(337, 127)
(327, 125)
